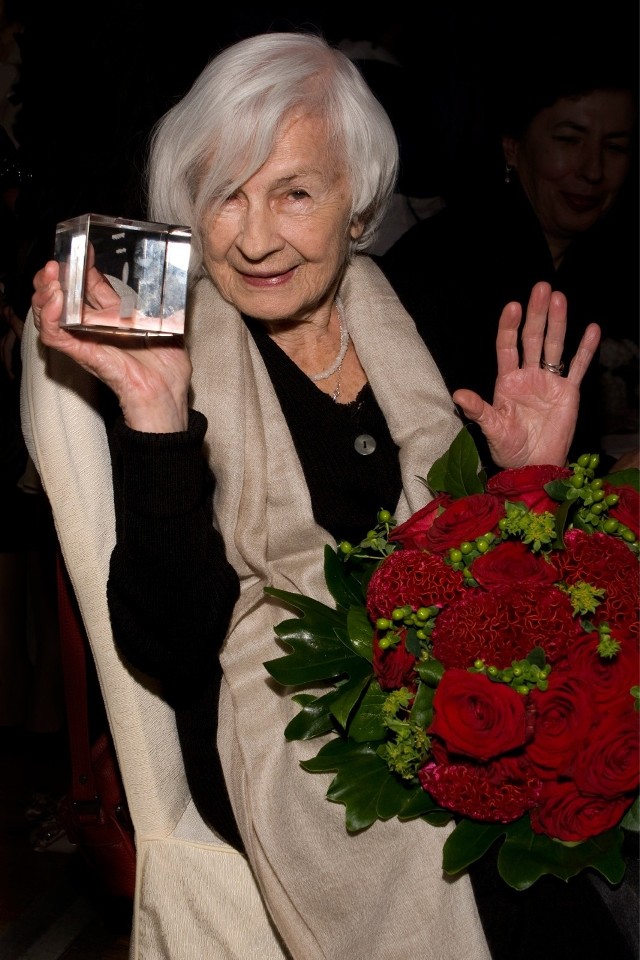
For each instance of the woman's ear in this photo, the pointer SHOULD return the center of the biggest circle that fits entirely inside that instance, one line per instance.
(356, 228)
(510, 150)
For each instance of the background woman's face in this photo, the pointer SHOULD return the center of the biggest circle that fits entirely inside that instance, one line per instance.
(574, 158)
(277, 247)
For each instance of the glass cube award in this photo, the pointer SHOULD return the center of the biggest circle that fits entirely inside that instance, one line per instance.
(123, 276)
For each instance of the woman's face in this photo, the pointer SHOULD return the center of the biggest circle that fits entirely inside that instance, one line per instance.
(277, 247)
(574, 158)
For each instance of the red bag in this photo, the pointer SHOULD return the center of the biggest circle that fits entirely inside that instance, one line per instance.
(94, 812)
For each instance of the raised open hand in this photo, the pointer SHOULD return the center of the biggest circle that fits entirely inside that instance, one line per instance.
(149, 376)
(533, 415)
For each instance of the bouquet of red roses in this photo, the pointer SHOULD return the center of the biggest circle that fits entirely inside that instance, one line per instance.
(483, 664)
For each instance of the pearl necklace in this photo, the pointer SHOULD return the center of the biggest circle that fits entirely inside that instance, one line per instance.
(336, 366)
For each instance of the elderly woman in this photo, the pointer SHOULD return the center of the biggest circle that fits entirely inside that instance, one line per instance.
(314, 402)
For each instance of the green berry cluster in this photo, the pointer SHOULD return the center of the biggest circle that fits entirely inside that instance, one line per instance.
(461, 558)
(523, 675)
(592, 514)
(375, 544)
(419, 624)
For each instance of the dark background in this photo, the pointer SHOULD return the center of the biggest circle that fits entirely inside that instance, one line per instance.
(94, 78)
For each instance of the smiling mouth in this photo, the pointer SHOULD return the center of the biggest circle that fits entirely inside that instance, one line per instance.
(266, 280)
(581, 204)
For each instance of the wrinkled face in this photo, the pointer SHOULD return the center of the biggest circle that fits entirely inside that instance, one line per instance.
(574, 158)
(277, 247)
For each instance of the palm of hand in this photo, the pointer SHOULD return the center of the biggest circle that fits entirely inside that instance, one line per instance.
(532, 417)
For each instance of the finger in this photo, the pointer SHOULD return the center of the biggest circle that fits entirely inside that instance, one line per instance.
(585, 353)
(48, 273)
(98, 291)
(556, 329)
(507, 354)
(472, 405)
(535, 324)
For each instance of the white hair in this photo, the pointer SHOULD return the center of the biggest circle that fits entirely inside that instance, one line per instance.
(224, 129)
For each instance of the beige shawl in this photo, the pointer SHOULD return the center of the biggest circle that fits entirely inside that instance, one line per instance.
(379, 895)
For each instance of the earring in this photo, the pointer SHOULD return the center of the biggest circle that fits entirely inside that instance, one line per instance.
(508, 171)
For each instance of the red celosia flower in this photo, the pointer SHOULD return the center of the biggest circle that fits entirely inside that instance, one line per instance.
(486, 792)
(607, 562)
(504, 624)
(412, 577)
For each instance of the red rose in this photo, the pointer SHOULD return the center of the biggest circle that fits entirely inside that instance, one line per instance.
(627, 510)
(412, 577)
(464, 519)
(504, 624)
(564, 813)
(394, 667)
(607, 766)
(477, 717)
(493, 792)
(526, 484)
(609, 679)
(565, 713)
(411, 533)
(513, 561)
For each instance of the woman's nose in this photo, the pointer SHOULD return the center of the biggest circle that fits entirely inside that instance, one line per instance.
(258, 235)
(592, 165)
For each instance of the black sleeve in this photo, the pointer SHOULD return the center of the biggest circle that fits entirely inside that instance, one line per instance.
(171, 591)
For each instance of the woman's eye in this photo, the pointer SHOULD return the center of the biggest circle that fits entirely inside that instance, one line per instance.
(298, 194)
(618, 147)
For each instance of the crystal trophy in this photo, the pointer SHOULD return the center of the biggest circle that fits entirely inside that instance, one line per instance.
(123, 276)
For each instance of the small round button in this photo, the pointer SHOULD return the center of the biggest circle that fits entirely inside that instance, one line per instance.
(365, 444)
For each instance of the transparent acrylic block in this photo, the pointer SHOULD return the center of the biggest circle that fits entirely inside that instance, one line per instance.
(143, 288)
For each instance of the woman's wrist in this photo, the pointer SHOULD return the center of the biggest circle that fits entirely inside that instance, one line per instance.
(159, 417)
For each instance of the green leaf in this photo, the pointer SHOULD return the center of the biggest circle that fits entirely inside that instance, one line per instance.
(537, 657)
(526, 856)
(562, 519)
(422, 709)
(341, 579)
(430, 671)
(631, 819)
(625, 478)
(558, 489)
(421, 805)
(467, 843)
(364, 783)
(367, 723)
(456, 472)
(314, 719)
(319, 641)
(349, 692)
(360, 630)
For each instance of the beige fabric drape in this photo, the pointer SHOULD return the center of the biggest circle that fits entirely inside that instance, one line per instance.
(380, 895)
